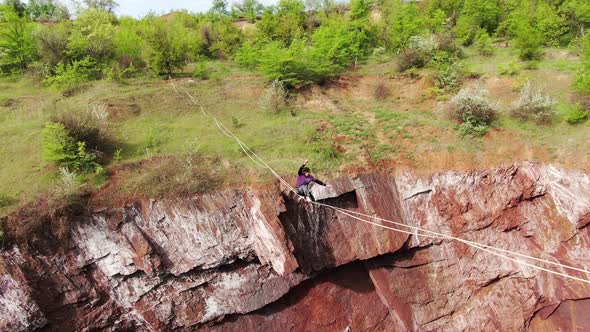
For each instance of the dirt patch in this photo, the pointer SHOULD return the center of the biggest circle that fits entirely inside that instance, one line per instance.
(244, 24)
(561, 55)
(123, 111)
(503, 90)
(357, 92)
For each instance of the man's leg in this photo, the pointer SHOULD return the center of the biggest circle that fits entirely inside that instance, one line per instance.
(303, 190)
(309, 194)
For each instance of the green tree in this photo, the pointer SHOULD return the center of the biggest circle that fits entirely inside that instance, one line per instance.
(219, 7)
(52, 43)
(249, 9)
(549, 23)
(92, 36)
(529, 42)
(220, 37)
(334, 47)
(17, 45)
(477, 14)
(128, 45)
(284, 24)
(168, 47)
(106, 5)
(483, 43)
(47, 10)
(577, 13)
(16, 6)
(582, 82)
(341, 42)
(404, 21)
(319, 5)
(359, 9)
(437, 21)
(449, 7)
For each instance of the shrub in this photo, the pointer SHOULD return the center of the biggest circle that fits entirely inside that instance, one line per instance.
(7, 102)
(295, 65)
(381, 91)
(511, 69)
(17, 45)
(274, 97)
(201, 72)
(466, 29)
(533, 104)
(404, 22)
(582, 81)
(445, 42)
(483, 43)
(70, 76)
(128, 45)
(529, 43)
(168, 46)
(91, 37)
(472, 127)
(90, 127)
(446, 77)
(52, 43)
(411, 58)
(473, 111)
(576, 114)
(332, 48)
(531, 65)
(59, 147)
(118, 156)
(380, 54)
(519, 82)
(236, 122)
(6, 200)
(221, 38)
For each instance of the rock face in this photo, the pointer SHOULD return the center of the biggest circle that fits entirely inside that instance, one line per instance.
(258, 260)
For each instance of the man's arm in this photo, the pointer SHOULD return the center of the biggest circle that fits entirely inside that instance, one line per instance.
(300, 172)
(319, 182)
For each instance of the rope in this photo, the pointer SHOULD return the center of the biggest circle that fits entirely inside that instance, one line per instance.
(426, 233)
(468, 242)
(472, 244)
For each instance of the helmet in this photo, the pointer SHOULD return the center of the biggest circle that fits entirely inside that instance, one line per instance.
(305, 169)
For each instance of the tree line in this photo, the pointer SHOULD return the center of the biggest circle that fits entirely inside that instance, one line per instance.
(295, 41)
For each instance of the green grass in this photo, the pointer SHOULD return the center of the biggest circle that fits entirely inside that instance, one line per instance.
(165, 125)
(161, 123)
(475, 62)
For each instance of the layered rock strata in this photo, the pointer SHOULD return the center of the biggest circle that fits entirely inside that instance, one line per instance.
(260, 260)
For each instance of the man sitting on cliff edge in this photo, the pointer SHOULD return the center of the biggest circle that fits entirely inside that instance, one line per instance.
(304, 182)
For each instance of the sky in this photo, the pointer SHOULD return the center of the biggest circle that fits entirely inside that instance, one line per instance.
(139, 8)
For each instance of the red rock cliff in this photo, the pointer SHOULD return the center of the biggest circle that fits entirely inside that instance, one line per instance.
(256, 260)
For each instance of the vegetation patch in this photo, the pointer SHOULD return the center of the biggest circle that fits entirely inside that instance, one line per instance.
(46, 221)
(472, 109)
(273, 98)
(576, 114)
(534, 104)
(182, 176)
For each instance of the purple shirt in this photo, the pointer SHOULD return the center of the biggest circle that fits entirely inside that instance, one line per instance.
(302, 179)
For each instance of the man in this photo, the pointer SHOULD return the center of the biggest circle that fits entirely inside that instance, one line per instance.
(304, 181)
